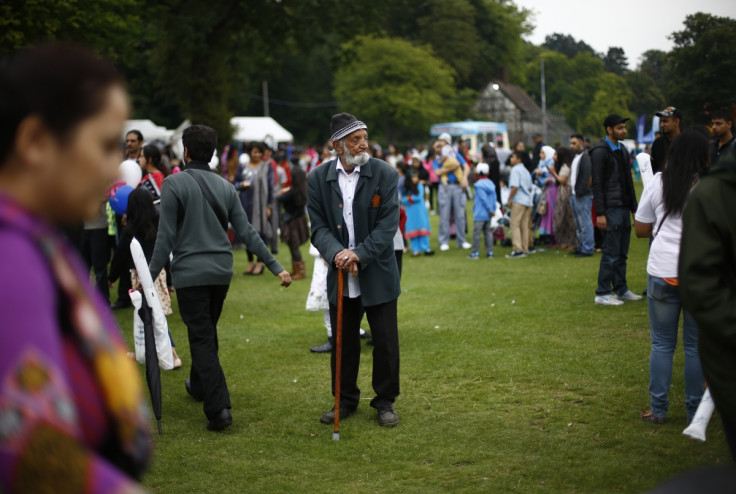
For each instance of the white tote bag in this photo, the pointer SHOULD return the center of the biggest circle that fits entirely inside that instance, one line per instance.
(160, 326)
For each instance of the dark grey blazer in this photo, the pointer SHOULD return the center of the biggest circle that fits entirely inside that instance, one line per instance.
(375, 220)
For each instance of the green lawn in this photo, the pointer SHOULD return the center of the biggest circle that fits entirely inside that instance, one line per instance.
(511, 378)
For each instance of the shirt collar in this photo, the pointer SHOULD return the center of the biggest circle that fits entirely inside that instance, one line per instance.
(342, 168)
(610, 144)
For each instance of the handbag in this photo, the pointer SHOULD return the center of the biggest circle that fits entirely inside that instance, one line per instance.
(542, 205)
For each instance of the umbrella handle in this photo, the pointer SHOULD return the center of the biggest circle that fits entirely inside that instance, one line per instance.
(338, 354)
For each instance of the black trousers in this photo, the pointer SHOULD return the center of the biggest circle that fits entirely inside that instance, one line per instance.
(96, 252)
(385, 334)
(200, 308)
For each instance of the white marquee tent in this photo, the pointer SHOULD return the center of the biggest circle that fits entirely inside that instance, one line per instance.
(151, 132)
(248, 129)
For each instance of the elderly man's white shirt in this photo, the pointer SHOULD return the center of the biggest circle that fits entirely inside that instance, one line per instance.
(348, 183)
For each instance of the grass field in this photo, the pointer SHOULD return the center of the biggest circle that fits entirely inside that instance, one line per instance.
(511, 380)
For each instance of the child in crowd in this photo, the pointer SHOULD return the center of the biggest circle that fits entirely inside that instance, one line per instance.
(417, 227)
(484, 208)
(142, 223)
(520, 203)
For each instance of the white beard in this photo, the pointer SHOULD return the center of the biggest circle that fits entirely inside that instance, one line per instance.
(357, 160)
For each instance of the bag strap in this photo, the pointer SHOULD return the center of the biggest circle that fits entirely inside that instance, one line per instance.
(221, 216)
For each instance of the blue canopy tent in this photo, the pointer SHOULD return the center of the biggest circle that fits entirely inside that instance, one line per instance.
(477, 132)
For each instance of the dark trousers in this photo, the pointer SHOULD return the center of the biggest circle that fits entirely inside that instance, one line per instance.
(612, 270)
(385, 334)
(124, 282)
(96, 252)
(200, 308)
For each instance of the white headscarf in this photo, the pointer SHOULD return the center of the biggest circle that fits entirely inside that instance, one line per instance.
(549, 153)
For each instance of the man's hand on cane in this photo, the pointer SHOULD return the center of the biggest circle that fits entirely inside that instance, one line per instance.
(347, 261)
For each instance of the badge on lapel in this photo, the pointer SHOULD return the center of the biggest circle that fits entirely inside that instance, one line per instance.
(376, 199)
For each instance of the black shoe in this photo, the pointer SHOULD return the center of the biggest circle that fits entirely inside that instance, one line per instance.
(582, 254)
(324, 348)
(188, 385)
(365, 335)
(121, 304)
(329, 417)
(220, 421)
(369, 342)
(387, 416)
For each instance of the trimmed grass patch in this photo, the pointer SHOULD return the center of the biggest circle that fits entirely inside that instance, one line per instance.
(512, 380)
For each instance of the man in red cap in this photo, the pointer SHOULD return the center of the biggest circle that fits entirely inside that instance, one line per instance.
(354, 209)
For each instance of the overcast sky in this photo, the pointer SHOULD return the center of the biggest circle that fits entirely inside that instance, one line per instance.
(634, 25)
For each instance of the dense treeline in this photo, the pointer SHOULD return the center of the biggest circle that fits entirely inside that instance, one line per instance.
(401, 64)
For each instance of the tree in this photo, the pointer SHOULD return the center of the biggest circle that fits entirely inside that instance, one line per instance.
(109, 27)
(397, 88)
(615, 61)
(579, 87)
(653, 63)
(701, 66)
(477, 38)
(646, 98)
(566, 44)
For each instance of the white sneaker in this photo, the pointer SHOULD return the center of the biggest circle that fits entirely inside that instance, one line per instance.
(444, 247)
(629, 296)
(466, 245)
(607, 300)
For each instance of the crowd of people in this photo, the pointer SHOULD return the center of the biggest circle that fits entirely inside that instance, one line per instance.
(69, 384)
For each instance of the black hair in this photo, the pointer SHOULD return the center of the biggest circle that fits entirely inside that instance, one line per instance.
(687, 159)
(154, 153)
(141, 215)
(62, 84)
(137, 133)
(410, 187)
(518, 154)
(564, 156)
(258, 145)
(578, 136)
(299, 185)
(200, 141)
(722, 114)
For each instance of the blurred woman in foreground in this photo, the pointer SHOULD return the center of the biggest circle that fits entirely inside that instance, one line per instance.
(71, 407)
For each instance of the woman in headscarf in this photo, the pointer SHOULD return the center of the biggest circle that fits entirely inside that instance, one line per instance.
(71, 403)
(544, 178)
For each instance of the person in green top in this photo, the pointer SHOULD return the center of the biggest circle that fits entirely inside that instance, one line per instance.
(196, 206)
(707, 272)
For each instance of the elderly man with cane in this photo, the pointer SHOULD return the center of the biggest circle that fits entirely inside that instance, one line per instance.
(354, 209)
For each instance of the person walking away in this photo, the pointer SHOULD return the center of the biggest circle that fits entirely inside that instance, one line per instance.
(196, 207)
(659, 216)
(615, 200)
(484, 208)
(581, 198)
(353, 204)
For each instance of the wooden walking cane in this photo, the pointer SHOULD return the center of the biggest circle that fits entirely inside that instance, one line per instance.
(338, 357)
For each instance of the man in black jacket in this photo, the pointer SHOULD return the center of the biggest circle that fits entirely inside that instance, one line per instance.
(581, 199)
(614, 197)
